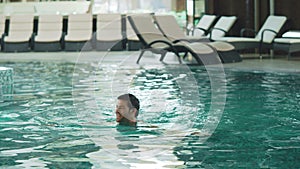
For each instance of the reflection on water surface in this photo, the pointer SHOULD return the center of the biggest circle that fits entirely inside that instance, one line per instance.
(57, 119)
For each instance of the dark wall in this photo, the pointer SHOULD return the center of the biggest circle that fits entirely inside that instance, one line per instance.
(289, 8)
(244, 10)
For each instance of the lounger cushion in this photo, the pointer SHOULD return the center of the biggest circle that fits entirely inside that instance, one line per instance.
(2, 24)
(17, 37)
(170, 28)
(224, 23)
(287, 40)
(204, 23)
(269, 30)
(79, 28)
(239, 39)
(222, 46)
(20, 28)
(199, 48)
(48, 36)
(109, 27)
(49, 28)
(291, 34)
(78, 35)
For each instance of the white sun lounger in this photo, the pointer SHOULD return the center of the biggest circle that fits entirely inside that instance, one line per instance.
(2, 27)
(79, 33)
(222, 27)
(263, 38)
(133, 42)
(202, 27)
(49, 34)
(289, 42)
(153, 40)
(19, 33)
(171, 29)
(109, 32)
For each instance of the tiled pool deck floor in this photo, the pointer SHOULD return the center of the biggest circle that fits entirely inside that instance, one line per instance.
(278, 63)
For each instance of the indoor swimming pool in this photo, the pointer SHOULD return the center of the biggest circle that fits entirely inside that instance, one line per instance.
(61, 115)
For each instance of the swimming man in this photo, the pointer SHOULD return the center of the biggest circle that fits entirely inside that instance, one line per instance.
(127, 109)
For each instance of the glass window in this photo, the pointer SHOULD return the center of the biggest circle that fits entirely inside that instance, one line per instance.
(195, 8)
(130, 6)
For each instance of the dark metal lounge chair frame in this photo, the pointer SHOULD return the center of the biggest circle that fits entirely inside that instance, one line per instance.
(171, 47)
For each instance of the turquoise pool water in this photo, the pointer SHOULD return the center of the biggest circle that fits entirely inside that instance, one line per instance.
(61, 117)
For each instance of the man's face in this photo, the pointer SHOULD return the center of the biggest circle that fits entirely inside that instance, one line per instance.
(124, 112)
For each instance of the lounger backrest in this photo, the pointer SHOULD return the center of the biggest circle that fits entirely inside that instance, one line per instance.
(291, 34)
(274, 23)
(146, 30)
(20, 27)
(204, 23)
(50, 24)
(130, 33)
(109, 27)
(49, 27)
(222, 26)
(2, 24)
(79, 27)
(169, 26)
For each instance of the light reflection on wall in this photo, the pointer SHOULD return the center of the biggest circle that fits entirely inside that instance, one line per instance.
(131, 6)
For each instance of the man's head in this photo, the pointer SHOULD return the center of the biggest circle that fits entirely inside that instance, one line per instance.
(127, 108)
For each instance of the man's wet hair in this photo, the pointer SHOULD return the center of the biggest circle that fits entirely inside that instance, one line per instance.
(132, 100)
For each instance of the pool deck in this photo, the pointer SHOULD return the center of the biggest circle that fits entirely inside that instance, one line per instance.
(252, 62)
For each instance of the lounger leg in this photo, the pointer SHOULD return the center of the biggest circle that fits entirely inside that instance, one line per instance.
(185, 55)
(141, 54)
(178, 55)
(289, 56)
(162, 56)
(179, 58)
(260, 51)
(272, 53)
